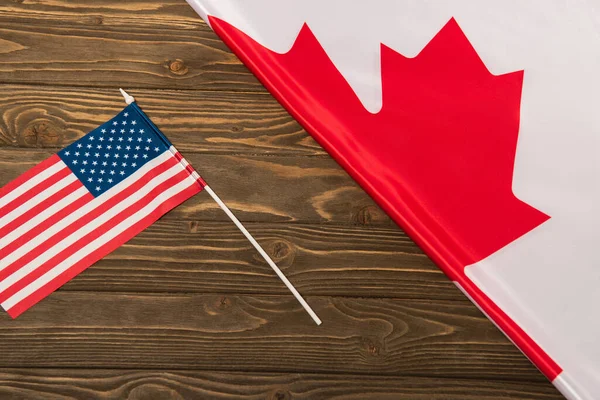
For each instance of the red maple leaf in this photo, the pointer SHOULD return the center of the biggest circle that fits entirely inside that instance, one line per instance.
(439, 155)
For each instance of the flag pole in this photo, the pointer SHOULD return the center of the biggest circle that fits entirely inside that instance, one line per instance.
(130, 99)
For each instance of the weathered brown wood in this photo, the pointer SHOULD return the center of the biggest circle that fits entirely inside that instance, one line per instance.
(197, 121)
(176, 257)
(257, 189)
(55, 384)
(115, 43)
(261, 333)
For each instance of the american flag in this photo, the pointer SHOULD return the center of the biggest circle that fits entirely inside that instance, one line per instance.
(77, 206)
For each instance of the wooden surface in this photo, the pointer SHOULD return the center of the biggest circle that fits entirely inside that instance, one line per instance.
(187, 309)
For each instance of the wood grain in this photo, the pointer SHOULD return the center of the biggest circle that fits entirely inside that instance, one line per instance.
(113, 44)
(261, 333)
(59, 384)
(180, 257)
(257, 189)
(214, 122)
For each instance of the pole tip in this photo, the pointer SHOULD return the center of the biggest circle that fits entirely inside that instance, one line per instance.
(128, 99)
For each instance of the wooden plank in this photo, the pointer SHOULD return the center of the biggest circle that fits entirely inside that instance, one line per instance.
(197, 121)
(260, 333)
(115, 43)
(257, 189)
(55, 384)
(180, 257)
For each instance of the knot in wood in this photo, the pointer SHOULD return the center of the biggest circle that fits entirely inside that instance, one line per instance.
(281, 395)
(98, 20)
(281, 251)
(372, 346)
(368, 215)
(178, 67)
(41, 134)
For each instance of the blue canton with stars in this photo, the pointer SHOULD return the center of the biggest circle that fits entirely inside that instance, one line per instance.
(115, 150)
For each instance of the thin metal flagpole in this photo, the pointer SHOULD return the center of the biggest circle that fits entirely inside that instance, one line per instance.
(130, 99)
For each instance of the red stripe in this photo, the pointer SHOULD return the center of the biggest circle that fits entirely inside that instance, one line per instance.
(93, 235)
(96, 255)
(40, 208)
(85, 219)
(37, 189)
(9, 187)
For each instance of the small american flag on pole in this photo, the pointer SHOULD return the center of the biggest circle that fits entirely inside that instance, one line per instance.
(74, 208)
(79, 205)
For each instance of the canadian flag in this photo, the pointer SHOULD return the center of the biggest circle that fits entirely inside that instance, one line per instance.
(476, 126)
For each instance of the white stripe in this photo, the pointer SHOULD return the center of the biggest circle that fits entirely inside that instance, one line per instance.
(37, 199)
(95, 244)
(89, 207)
(41, 217)
(33, 181)
(84, 230)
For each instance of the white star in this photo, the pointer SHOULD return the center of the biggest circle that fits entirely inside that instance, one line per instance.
(130, 139)
(110, 181)
(112, 172)
(101, 139)
(79, 145)
(96, 154)
(98, 188)
(124, 122)
(108, 147)
(99, 146)
(139, 139)
(84, 162)
(119, 147)
(116, 155)
(135, 156)
(145, 155)
(91, 138)
(95, 163)
(106, 155)
(74, 162)
(122, 173)
(133, 122)
(86, 154)
(137, 147)
(126, 114)
(131, 130)
(147, 148)
(101, 172)
(92, 171)
(76, 154)
(89, 146)
(114, 164)
(99, 180)
(134, 165)
(112, 131)
(127, 147)
(126, 156)
(120, 138)
(110, 139)
(90, 180)
(67, 153)
(122, 130)
(82, 170)
(156, 149)
(115, 123)
(149, 140)
(103, 130)
(104, 163)
(141, 131)
(124, 164)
